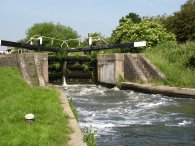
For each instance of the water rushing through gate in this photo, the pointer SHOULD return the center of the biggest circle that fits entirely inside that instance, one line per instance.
(126, 118)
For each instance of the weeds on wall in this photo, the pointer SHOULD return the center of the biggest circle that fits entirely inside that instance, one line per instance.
(89, 136)
(73, 108)
(120, 80)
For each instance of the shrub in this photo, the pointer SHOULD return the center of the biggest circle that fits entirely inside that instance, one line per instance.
(176, 61)
(150, 31)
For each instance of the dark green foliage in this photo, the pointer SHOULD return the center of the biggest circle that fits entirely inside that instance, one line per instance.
(135, 18)
(191, 62)
(57, 31)
(182, 23)
(55, 67)
(93, 56)
(89, 136)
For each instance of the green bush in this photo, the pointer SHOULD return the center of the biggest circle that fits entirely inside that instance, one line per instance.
(176, 61)
(191, 62)
(182, 22)
(149, 30)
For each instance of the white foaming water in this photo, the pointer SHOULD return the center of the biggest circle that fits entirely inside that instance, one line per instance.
(83, 90)
(106, 110)
(89, 91)
(184, 123)
(78, 90)
(131, 112)
(103, 125)
(115, 89)
(151, 105)
(64, 82)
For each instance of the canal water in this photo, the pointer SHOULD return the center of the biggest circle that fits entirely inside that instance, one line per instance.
(128, 118)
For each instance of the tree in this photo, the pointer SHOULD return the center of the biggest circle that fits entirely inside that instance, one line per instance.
(135, 18)
(159, 18)
(57, 31)
(148, 30)
(97, 39)
(182, 23)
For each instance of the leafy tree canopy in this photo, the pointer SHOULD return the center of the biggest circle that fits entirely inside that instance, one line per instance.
(133, 16)
(97, 38)
(182, 23)
(147, 30)
(57, 31)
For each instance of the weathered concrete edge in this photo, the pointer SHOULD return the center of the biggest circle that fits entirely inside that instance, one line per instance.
(76, 138)
(165, 90)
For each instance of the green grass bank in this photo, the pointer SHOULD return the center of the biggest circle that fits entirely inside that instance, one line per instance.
(176, 61)
(17, 98)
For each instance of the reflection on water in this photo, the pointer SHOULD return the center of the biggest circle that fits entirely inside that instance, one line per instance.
(123, 118)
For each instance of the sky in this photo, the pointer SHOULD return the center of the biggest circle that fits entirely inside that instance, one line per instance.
(84, 16)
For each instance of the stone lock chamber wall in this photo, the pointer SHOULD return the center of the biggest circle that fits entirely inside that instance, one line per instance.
(110, 67)
(33, 66)
(132, 67)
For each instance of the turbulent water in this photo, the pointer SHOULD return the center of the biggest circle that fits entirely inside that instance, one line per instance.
(127, 118)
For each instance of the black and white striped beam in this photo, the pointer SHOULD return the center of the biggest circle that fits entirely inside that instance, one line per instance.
(27, 46)
(88, 48)
(112, 46)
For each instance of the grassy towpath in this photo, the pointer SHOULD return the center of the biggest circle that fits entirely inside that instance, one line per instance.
(17, 98)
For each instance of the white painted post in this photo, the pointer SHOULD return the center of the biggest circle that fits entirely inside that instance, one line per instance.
(140, 44)
(31, 41)
(90, 41)
(40, 40)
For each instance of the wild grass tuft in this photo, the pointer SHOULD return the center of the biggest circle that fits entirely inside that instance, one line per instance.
(73, 108)
(89, 136)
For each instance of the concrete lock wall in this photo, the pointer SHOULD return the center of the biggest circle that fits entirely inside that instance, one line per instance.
(8, 60)
(110, 67)
(42, 62)
(28, 63)
(132, 67)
